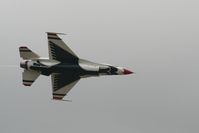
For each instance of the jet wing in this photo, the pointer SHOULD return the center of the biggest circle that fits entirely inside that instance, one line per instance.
(58, 50)
(62, 84)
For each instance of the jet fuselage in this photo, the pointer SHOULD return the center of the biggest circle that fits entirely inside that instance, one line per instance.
(83, 68)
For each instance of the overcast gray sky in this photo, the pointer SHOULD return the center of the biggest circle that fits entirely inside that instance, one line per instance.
(159, 40)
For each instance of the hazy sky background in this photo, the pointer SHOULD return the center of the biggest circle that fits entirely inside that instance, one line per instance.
(159, 40)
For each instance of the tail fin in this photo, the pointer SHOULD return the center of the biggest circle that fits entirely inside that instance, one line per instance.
(26, 53)
(29, 76)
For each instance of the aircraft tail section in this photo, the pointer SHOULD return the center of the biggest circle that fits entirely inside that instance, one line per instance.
(29, 76)
(27, 54)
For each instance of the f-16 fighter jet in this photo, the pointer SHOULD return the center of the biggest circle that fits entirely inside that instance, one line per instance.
(64, 66)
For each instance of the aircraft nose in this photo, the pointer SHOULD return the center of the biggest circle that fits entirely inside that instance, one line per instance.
(126, 71)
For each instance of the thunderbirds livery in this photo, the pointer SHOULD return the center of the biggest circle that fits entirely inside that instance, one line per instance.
(64, 66)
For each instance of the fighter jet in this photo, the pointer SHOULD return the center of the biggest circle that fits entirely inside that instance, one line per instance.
(64, 66)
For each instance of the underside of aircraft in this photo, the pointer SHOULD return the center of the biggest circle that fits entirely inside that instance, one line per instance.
(64, 66)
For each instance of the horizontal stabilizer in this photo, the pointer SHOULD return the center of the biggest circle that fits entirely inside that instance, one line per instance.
(29, 76)
(26, 53)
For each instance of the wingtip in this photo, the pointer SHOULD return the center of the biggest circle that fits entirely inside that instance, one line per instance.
(23, 47)
(27, 84)
(61, 100)
(56, 33)
(57, 98)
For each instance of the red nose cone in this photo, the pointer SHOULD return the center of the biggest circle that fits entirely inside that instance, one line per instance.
(126, 71)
